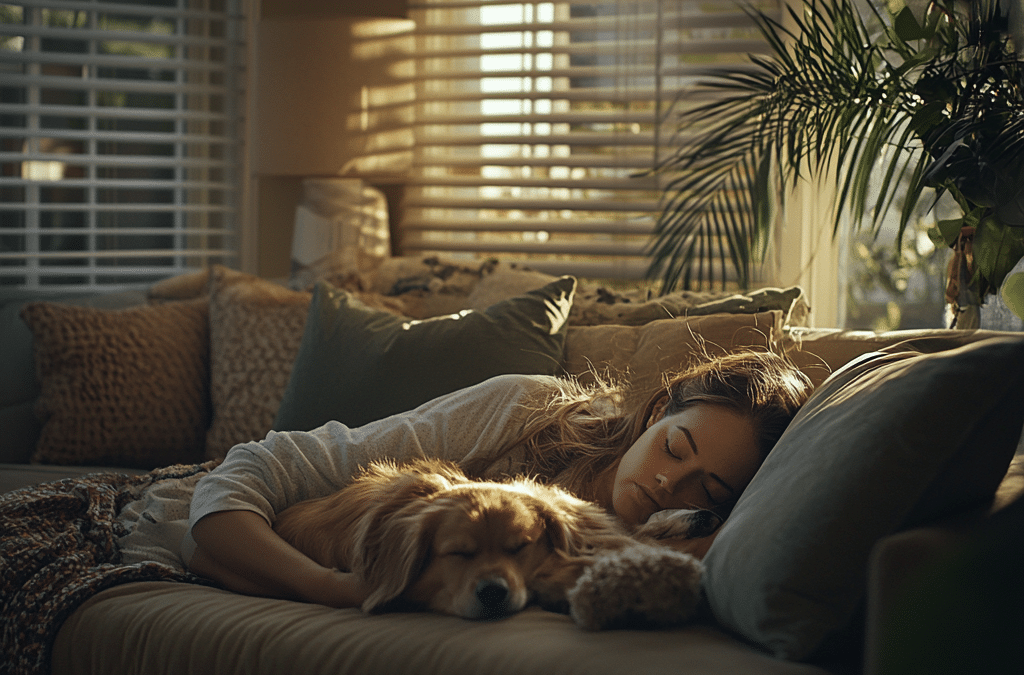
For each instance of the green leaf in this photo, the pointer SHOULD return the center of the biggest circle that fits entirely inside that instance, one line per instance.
(907, 27)
(1012, 291)
(997, 248)
(947, 230)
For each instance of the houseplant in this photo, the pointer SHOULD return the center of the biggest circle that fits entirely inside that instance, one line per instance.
(899, 108)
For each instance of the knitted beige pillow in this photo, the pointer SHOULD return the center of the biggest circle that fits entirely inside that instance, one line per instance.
(121, 387)
(255, 330)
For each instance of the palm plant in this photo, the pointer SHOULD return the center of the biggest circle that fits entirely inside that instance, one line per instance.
(893, 106)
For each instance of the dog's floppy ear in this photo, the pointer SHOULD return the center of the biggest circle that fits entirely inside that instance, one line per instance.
(575, 526)
(396, 551)
(394, 537)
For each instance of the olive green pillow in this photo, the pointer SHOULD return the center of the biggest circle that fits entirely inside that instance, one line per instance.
(357, 364)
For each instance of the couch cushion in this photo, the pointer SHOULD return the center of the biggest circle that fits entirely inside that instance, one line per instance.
(358, 364)
(160, 627)
(890, 441)
(255, 330)
(121, 387)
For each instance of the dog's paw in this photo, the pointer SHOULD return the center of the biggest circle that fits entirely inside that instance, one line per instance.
(680, 524)
(640, 586)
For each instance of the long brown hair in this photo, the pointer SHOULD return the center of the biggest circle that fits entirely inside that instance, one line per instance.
(580, 431)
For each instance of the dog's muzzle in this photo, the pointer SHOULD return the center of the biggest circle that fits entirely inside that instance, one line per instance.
(493, 596)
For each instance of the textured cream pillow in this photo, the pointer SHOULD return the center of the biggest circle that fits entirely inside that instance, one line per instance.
(644, 353)
(255, 330)
(121, 387)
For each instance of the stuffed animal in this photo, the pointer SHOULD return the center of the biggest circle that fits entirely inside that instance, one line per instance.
(641, 586)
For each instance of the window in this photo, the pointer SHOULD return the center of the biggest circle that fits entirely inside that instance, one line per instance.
(118, 140)
(536, 122)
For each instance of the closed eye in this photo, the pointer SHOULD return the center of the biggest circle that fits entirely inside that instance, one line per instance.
(516, 548)
(468, 555)
(668, 449)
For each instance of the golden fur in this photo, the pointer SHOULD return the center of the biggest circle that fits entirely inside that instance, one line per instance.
(423, 535)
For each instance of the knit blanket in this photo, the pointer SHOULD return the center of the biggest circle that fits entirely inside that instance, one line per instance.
(58, 547)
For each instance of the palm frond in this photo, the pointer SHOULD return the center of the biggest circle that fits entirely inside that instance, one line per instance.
(869, 100)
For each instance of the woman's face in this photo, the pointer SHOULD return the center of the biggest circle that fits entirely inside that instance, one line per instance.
(701, 457)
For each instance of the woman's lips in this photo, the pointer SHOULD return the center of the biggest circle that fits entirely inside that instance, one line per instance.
(647, 500)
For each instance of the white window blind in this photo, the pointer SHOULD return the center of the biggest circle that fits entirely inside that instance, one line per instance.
(118, 140)
(533, 121)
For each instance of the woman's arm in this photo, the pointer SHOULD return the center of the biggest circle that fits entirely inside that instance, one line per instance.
(240, 550)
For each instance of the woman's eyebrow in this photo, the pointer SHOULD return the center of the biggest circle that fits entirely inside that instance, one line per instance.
(713, 476)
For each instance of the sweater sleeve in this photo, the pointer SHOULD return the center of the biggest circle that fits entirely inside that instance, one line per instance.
(473, 427)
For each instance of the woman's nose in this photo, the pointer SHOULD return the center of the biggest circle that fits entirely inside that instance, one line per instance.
(669, 479)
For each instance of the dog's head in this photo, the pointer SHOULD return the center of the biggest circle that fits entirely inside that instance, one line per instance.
(475, 549)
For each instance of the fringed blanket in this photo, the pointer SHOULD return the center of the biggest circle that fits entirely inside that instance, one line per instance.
(58, 548)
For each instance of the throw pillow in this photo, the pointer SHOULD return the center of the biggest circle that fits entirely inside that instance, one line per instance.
(255, 330)
(644, 353)
(121, 387)
(888, 442)
(357, 364)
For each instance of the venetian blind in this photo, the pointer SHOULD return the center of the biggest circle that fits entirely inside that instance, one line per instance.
(535, 123)
(119, 123)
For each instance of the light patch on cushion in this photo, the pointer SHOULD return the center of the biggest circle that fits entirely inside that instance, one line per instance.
(121, 387)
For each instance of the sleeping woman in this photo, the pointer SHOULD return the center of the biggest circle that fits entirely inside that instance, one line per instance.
(695, 443)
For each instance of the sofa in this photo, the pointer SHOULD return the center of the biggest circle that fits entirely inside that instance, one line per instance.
(882, 535)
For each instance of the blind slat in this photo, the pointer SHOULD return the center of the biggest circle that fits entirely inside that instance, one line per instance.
(145, 10)
(121, 136)
(125, 184)
(574, 161)
(582, 139)
(79, 34)
(111, 112)
(124, 208)
(617, 249)
(639, 46)
(605, 24)
(110, 84)
(119, 253)
(502, 204)
(576, 226)
(623, 183)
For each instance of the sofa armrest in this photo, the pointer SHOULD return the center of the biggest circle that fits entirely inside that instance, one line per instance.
(948, 598)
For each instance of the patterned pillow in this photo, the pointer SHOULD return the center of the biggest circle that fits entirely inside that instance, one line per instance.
(121, 387)
(255, 330)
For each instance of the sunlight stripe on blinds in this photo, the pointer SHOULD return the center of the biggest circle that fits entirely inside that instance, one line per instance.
(536, 125)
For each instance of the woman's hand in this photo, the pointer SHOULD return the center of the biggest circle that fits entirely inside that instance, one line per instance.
(241, 551)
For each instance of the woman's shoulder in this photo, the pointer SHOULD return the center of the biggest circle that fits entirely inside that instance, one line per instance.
(518, 381)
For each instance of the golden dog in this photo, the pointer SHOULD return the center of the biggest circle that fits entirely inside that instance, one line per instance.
(424, 536)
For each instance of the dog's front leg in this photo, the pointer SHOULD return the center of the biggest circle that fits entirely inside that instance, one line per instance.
(680, 524)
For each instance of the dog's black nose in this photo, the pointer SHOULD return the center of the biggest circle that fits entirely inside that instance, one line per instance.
(704, 523)
(492, 593)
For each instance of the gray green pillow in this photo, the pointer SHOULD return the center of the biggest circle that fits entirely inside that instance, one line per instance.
(357, 364)
(888, 442)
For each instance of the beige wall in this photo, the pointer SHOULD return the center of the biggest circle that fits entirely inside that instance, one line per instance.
(305, 88)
